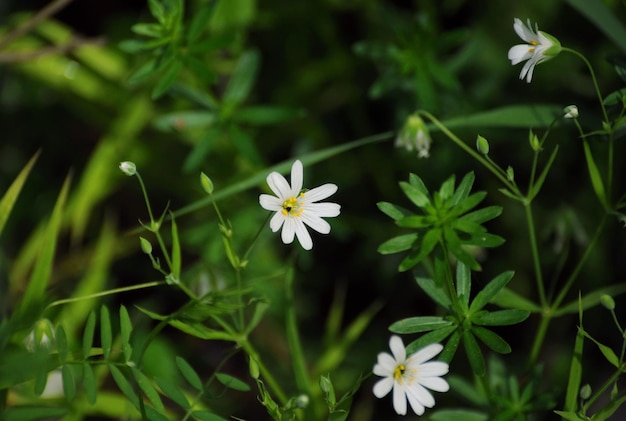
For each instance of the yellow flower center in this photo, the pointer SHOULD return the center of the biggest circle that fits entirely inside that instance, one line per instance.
(292, 206)
(399, 371)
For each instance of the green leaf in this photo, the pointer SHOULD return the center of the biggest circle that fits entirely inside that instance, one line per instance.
(591, 299)
(153, 415)
(437, 294)
(206, 415)
(463, 284)
(35, 289)
(123, 384)
(416, 181)
(41, 379)
(499, 318)
(69, 385)
(482, 215)
(519, 116)
(89, 382)
(464, 188)
(173, 392)
(458, 415)
(61, 342)
(265, 115)
(393, 211)
(447, 188)
(106, 336)
(33, 413)
(88, 334)
(242, 79)
(415, 221)
(468, 203)
(397, 244)
(542, 177)
(125, 331)
(609, 409)
(491, 339)
(432, 337)
(232, 382)
(571, 416)
(428, 243)
(455, 246)
(199, 22)
(415, 195)
(157, 10)
(184, 120)
(510, 299)
(233, 14)
(189, 373)
(152, 30)
(608, 353)
(196, 157)
(575, 374)
(594, 174)
(259, 310)
(12, 193)
(167, 79)
(484, 240)
(200, 331)
(419, 324)
(474, 355)
(451, 346)
(490, 290)
(245, 143)
(146, 385)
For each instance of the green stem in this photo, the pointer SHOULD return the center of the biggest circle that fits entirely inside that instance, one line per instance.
(546, 317)
(512, 187)
(593, 78)
(267, 375)
(535, 252)
(145, 198)
(568, 284)
(602, 389)
(105, 293)
(459, 310)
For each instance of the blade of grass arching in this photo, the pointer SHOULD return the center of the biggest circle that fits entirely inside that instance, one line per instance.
(40, 276)
(74, 314)
(576, 368)
(283, 167)
(514, 116)
(10, 197)
(606, 21)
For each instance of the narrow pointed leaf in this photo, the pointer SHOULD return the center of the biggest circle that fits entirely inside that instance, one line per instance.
(575, 374)
(474, 354)
(544, 173)
(11, 195)
(490, 290)
(106, 335)
(176, 254)
(464, 188)
(416, 181)
(69, 385)
(88, 334)
(463, 284)
(509, 299)
(398, 244)
(428, 243)
(232, 382)
(434, 292)
(393, 211)
(89, 383)
(415, 195)
(124, 385)
(491, 339)
(483, 215)
(594, 174)
(435, 336)
(146, 386)
(189, 373)
(243, 78)
(173, 392)
(419, 324)
(608, 353)
(500, 317)
(125, 331)
(61, 342)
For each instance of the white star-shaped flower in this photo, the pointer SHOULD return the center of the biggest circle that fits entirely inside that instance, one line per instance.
(410, 378)
(541, 47)
(295, 206)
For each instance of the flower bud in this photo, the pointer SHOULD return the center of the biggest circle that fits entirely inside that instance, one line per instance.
(482, 145)
(534, 141)
(146, 246)
(607, 302)
(302, 401)
(414, 135)
(585, 392)
(42, 336)
(510, 174)
(206, 183)
(571, 111)
(128, 168)
(554, 48)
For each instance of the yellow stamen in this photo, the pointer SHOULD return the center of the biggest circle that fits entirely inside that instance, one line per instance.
(533, 43)
(399, 371)
(292, 207)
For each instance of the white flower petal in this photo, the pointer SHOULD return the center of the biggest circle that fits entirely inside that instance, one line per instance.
(289, 230)
(320, 193)
(297, 176)
(524, 32)
(271, 203)
(433, 369)
(303, 235)
(416, 404)
(399, 399)
(279, 185)
(435, 383)
(383, 387)
(425, 353)
(397, 349)
(324, 210)
(277, 221)
(519, 53)
(386, 365)
(315, 222)
(422, 395)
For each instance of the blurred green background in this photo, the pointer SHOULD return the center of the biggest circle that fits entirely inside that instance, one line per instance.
(339, 71)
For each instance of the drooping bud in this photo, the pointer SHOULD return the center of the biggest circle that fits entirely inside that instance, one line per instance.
(571, 111)
(415, 135)
(129, 168)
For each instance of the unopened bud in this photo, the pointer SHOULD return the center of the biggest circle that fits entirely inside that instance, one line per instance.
(482, 145)
(608, 302)
(206, 183)
(128, 168)
(585, 392)
(534, 141)
(571, 111)
(42, 336)
(146, 246)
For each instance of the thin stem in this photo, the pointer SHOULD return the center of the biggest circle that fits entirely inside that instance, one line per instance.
(146, 199)
(256, 237)
(535, 252)
(602, 389)
(593, 78)
(105, 293)
(470, 151)
(568, 284)
(267, 375)
(546, 317)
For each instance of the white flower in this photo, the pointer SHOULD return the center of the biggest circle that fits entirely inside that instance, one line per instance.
(541, 47)
(295, 206)
(410, 377)
(414, 135)
(571, 111)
